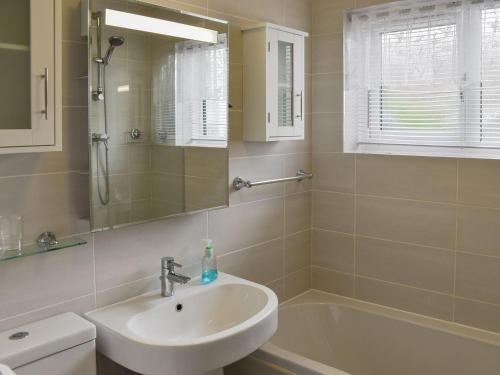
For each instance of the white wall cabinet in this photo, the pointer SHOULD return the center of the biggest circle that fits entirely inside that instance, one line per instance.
(273, 83)
(30, 86)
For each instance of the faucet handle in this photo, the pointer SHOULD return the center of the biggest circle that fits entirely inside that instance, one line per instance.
(169, 263)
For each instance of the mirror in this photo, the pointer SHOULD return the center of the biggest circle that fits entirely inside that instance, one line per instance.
(158, 113)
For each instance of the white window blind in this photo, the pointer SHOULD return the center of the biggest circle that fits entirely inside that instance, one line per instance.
(423, 78)
(285, 83)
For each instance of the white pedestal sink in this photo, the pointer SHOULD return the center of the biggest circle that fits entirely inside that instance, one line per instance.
(199, 330)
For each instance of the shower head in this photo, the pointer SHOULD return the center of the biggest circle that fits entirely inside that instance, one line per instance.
(114, 41)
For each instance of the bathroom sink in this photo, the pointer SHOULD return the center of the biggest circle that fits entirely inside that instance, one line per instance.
(199, 330)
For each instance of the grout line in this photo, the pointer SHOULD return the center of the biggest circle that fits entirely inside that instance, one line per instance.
(94, 278)
(77, 171)
(391, 198)
(130, 283)
(388, 282)
(251, 246)
(46, 307)
(456, 245)
(283, 246)
(269, 155)
(355, 270)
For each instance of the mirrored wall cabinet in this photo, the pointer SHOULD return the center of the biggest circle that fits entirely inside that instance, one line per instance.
(273, 83)
(30, 83)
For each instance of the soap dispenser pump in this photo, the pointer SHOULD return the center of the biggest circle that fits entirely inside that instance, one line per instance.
(208, 264)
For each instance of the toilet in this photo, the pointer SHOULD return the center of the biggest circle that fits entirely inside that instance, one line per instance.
(60, 345)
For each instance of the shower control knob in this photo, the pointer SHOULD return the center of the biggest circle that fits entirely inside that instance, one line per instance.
(97, 95)
(135, 133)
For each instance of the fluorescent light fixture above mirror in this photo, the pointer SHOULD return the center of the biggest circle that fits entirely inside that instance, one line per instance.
(159, 26)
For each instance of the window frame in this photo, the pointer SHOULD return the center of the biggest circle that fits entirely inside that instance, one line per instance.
(469, 35)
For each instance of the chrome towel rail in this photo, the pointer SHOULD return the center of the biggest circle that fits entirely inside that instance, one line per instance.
(239, 183)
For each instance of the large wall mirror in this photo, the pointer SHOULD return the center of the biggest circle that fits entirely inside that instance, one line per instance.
(158, 113)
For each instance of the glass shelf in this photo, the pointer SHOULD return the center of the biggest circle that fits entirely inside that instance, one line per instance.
(36, 249)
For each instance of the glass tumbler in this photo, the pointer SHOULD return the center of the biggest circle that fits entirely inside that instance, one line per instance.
(11, 233)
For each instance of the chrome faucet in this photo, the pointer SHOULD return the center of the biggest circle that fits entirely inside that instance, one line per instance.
(169, 278)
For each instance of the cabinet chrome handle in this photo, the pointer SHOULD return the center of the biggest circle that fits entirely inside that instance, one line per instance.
(301, 106)
(46, 93)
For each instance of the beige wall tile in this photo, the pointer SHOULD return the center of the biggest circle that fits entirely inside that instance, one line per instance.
(327, 134)
(297, 14)
(278, 287)
(478, 277)
(293, 163)
(479, 182)
(78, 305)
(327, 53)
(328, 16)
(40, 281)
(71, 17)
(127, 290)
(333, 250)
(421, 223)
(262, 263)
(297, 212)
(322, 5)
(430, 179)
(74, 66)
(235, 86)
(297, 282)
(332, 281)
(333, 211)
(235, 44)
(297, 251)
(405, 298)
(334, 172)
(417, 266)
(57, 202)
(73, 157)
(327, 92)
(263, 10)
(256, 169)
(134, 253)
(245, 225)
(478, 230)
(477, 314)
(367, 3)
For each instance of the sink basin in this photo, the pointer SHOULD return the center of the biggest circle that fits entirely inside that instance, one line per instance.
(199, 330)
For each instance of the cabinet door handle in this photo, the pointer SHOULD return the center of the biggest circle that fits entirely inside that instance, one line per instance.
(46, 93)
(301, 106)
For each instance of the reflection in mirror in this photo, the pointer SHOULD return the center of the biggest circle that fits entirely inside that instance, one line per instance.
(158, 109)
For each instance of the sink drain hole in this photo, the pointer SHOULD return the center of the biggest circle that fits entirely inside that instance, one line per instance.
(179, 307)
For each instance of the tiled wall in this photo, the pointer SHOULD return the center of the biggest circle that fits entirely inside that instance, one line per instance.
(264, 235)
(420, 234)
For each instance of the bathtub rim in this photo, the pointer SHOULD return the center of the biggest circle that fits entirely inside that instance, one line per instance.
(273, 353)
(315, 296)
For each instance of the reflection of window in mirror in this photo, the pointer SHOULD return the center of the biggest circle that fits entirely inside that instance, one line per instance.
(189, 104)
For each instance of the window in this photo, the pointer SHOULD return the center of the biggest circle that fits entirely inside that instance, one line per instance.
(423, 78)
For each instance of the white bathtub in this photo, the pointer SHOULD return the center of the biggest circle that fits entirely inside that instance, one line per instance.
(320, 333)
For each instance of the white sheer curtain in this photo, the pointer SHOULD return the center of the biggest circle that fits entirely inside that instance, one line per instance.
(423, 77)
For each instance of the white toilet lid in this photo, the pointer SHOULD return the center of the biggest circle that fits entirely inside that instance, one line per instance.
(44, 338)
(5, 370)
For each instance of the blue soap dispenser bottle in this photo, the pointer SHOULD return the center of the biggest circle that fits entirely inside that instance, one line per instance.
(208, 264)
